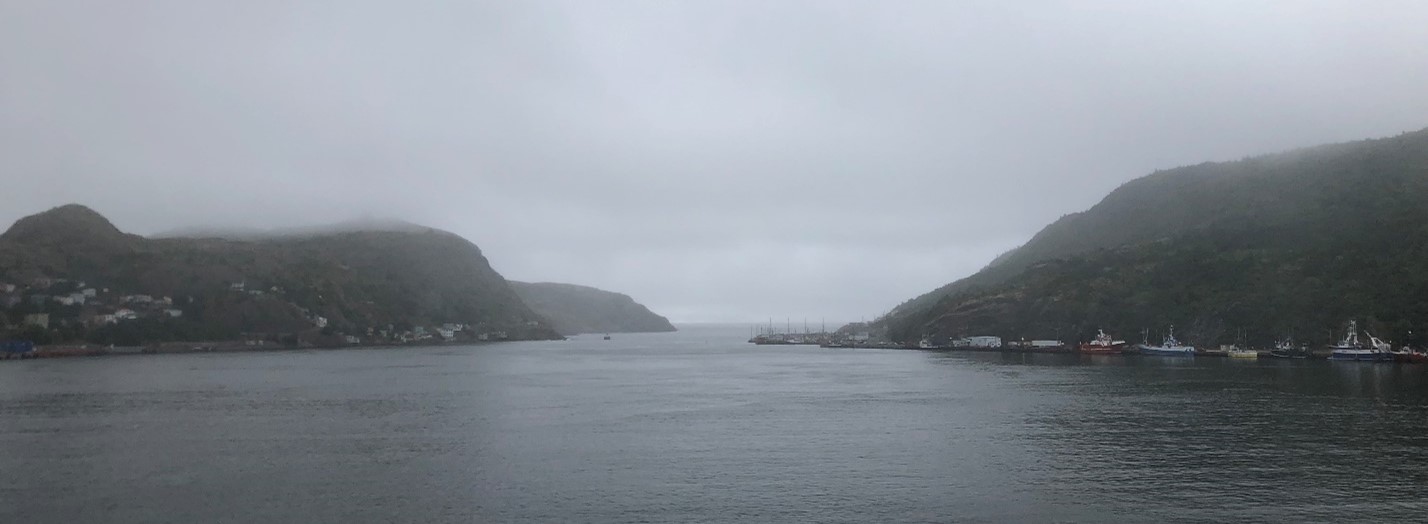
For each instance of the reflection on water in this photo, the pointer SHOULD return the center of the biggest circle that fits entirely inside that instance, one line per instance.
(697, 426)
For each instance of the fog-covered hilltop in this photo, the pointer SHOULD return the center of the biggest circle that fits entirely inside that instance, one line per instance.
(94, 282)
(1291, 243)
(573, 309)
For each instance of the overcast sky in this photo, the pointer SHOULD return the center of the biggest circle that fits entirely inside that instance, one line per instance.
(716, 160)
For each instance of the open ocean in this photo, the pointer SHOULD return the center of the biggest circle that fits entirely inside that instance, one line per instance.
(698, 426)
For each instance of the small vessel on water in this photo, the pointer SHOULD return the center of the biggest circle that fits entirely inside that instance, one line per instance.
(1350, 349)
(607, 336)
(1169, 347)
(1102, 345)
(1286, 349)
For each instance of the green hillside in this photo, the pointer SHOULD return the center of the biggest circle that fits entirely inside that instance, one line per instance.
(360, 282)
(573, 309)
(1296, 242)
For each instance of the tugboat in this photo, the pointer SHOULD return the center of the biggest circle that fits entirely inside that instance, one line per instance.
(1169, 347)
(1285, 349)
(1350, 349)
(1103, 345)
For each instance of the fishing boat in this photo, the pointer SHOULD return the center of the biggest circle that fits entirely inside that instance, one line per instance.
(1169, 347)
(1286, 349)
(1417, 356)
(1102, 345)
(1350, 349)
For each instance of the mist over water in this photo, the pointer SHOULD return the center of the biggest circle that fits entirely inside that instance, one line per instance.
(698, 426)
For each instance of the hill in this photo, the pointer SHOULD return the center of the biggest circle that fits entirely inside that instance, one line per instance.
(573, 309)
(1297, 242)
(75, 266)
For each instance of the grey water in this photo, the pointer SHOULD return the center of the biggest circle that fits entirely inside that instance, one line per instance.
(698, 426)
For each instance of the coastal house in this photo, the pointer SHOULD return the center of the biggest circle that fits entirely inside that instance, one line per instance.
(136, 299)
(78, 297)
(125, 314)
(173, 313)
(64, 301)
(445, 333)
(237, 286)
(89, 292)
(351, 339)
(102, 319)
(319, 321)
(38, 319)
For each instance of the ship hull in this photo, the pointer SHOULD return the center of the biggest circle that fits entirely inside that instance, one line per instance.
(1088, 349)
(1167, 352)
(1360, 355)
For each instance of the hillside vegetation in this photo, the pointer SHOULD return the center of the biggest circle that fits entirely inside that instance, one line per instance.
(573, 309)
(361, 282)
(1292, 243)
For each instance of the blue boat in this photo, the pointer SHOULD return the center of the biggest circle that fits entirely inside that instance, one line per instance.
(1168, 348)
(16, 348)
(1350, 349)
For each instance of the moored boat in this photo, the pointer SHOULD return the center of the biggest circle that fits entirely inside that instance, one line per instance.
(1286, 349)
(1169, 347)
(1102, 345)
(1350, 349)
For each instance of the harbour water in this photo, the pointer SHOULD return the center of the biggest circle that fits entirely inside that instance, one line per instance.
(698, 426)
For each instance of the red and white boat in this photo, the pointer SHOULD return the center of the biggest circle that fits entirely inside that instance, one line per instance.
(1103, 345)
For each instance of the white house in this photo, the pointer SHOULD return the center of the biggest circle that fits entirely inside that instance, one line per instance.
(173, 313)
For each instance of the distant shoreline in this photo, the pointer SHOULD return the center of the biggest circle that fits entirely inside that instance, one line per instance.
(93, 350)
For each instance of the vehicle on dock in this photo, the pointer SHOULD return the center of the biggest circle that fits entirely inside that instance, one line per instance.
(1103, 345)
(1169, 347)
(1238, 352)
(1222, 351)
(1350, 349)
